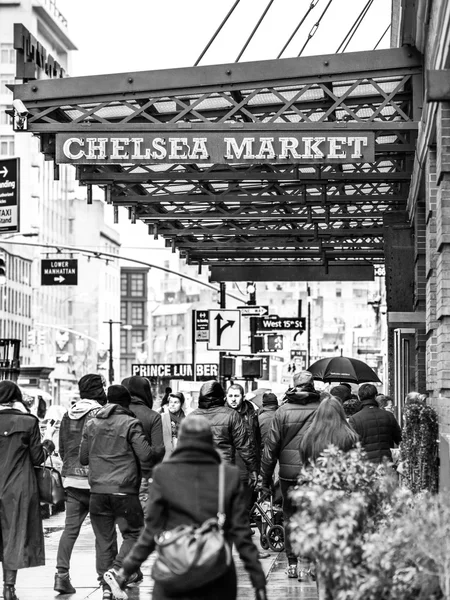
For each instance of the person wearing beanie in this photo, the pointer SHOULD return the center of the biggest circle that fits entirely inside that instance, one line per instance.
(142, 408)
(21, 532)
(75, 475)
(114, 446)
(184, 491)
(171, 420)
(265, 415)
(288, 426)
(228, 428)
(341, 392)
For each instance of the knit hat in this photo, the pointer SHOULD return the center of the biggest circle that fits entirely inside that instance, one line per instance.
(269, 399)
(91, 387)
(178, 395)
(341, 391)
(118, 394)
(195, 428)
(9, 392)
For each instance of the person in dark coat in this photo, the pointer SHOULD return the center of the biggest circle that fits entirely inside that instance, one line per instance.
(142, 408)
(265, 415)
(235, 400)
(184, 491)
(288, 426)
(228, 428)
(341, 392)
(114, 446)
(76, 484)
(377, 428)
(21, 533)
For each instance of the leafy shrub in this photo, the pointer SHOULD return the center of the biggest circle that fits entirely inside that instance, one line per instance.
(419, 448)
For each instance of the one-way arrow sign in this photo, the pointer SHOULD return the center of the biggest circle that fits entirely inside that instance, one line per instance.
(4, 171)
(60, 279)
(254, 311)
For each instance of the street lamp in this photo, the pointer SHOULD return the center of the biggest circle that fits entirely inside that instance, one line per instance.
(110, 322)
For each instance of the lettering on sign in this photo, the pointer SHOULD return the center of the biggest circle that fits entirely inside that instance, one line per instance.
(59, 272)
(201, 320)
(215, 146)
(9, 195)
(176, 371)
(272, 323)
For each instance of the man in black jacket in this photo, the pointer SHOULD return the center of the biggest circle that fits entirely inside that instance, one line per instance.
(282, 444)
(228, 428)
(377, 428)
(92, 398)
(265, 416)
(142, 408)
(115, 448)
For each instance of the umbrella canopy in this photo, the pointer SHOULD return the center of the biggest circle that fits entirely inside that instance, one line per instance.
(343, 368)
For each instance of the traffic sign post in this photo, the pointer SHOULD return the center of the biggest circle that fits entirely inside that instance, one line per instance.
(224, 330)
(273, 323)
(59, 272)
(9, 195)
(201, 324)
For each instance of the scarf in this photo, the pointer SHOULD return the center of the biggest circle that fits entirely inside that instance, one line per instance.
(175, 420)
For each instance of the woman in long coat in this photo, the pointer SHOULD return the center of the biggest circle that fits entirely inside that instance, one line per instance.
(184, 491)
(21, 534)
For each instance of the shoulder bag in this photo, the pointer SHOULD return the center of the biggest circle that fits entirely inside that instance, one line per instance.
(50, 485)
(189, 557)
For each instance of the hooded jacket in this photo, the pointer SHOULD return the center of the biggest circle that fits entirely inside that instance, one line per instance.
(71, 429)
(142, 408)
(288, 425)
(228, 428)
(114, 446)
(265, 417)
(250, 418)
(378, 430)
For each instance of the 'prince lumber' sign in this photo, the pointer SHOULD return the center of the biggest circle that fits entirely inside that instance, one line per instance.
(215, 147)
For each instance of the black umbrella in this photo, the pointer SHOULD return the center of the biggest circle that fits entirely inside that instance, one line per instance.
(342, 368)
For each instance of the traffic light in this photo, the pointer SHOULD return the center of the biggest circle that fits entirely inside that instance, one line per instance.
(2, 269)
(251, 292)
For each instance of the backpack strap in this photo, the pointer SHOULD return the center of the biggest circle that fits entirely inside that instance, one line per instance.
(221, 503)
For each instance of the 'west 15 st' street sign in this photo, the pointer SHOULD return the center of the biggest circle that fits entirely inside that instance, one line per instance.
(274, 323)
(222, 147)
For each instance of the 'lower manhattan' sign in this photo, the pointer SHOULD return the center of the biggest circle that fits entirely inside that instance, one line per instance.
(215, 146)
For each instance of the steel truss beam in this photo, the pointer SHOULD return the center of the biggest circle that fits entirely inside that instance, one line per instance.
(251, 214)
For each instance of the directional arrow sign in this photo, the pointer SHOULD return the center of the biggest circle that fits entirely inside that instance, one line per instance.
(4, 171)
(59, 272)
(254, 311)
(224, 330)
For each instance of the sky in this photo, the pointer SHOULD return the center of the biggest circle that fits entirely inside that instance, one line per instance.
(113, 36)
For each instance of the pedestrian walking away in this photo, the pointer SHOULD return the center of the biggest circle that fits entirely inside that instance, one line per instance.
(265, 416)
(378, 428)
(21, 533)
(288, 426)
(75, 475)
(114, 446)
(184, 491)
(142, 408)
(228, 428)
(171, 420)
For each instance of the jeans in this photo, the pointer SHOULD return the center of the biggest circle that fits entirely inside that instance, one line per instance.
(77, 508)
(143, 494)
(107, 510)
(288, 511)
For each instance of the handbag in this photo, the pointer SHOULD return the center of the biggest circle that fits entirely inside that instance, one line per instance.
(50, 485)
(188, 556)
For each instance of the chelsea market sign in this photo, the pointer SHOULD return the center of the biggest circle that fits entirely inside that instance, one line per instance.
(215, 147)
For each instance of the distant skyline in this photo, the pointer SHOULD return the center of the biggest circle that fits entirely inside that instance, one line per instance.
(113, 36)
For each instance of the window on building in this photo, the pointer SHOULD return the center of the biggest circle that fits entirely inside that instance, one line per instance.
(4, 81)
(7, 54)
(7, 147)
(123, 312)
(359, 293)
(137, 313)
(5, 119)
(123, 341)
(338, 293)
(137, 337)
(136, 284)
(123, 284)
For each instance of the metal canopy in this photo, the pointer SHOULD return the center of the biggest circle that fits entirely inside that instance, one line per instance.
(266, 212)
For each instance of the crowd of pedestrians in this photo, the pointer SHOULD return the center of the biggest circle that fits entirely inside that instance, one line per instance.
(146, 471)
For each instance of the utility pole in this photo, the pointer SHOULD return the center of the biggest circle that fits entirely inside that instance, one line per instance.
(110, 322)
(308, 291)
(222, 303)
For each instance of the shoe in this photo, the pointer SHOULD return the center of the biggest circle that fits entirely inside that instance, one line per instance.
(63, 584)
(292, 572)
(107, 594)
(135, 579)
(9, 592)
(111, 580)
(306, 575)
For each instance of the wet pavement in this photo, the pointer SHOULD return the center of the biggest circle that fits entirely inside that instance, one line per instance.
(37, 583)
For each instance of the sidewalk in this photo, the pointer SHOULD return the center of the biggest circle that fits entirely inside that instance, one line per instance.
(37, 583)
